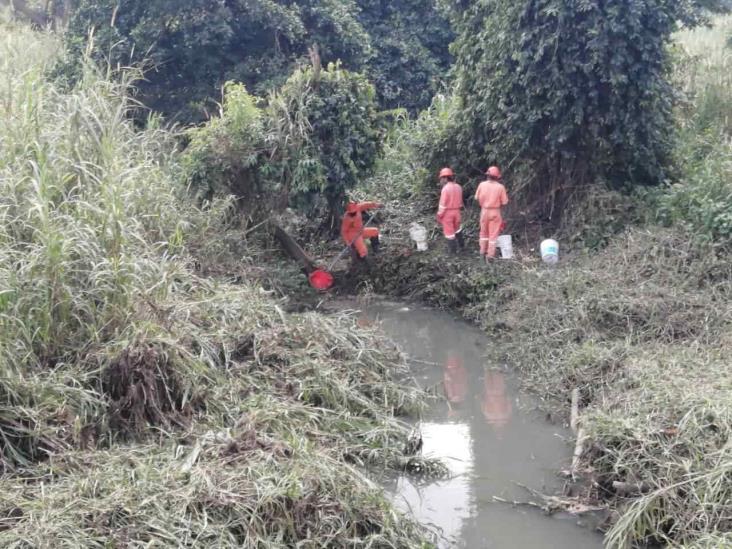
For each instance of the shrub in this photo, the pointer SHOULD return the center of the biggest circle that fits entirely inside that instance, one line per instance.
(224, 156)
(701, 196)
(324, 134)
(315, 139)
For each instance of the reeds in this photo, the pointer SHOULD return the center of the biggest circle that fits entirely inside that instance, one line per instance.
(144, 405)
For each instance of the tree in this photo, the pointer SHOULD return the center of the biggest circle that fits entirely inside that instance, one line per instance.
(325, 136)
(193, 46)
(411, 58)
(570, 91)
(312, 141)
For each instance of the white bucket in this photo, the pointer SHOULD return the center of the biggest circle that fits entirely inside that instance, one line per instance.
(419, 234)
(550, 251)
(505, 243)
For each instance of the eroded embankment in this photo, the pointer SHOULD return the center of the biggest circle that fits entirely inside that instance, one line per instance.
(642, 329)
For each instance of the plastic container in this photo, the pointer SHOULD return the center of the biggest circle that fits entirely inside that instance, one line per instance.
(505, 243)
(419, 234)
(550, 251)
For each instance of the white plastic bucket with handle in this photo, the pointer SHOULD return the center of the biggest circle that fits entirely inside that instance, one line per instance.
(505, 243)
(419, 234)
(550, 251)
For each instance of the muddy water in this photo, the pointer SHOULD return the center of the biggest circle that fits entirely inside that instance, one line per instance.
(489, 434)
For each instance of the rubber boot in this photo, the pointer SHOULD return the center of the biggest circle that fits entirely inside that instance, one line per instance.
(460, 240)
(375, 244)
(452, 247)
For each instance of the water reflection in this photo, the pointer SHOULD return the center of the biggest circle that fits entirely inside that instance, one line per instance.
(455, 379)
(496, 405)
(490, 443)
(446, 504)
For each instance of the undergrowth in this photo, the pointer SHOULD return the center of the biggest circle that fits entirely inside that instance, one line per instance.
(142, 403)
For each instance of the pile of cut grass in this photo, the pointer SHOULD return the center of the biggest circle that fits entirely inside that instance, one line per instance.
(140, 403)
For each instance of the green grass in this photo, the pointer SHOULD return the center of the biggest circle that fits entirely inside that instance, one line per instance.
(141, 403)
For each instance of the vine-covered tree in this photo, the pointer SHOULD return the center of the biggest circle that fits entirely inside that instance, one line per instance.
(573, 91)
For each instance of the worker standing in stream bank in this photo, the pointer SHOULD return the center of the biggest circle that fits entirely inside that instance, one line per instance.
(353, 231)
(449, 213)
(491, 195)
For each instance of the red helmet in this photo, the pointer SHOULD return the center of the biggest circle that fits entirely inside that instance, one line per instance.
(447, 172)
(494, 172)
(351, 207)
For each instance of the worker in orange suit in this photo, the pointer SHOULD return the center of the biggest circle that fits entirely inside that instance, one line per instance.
(353, 231)
(491, 195)
(449, 212)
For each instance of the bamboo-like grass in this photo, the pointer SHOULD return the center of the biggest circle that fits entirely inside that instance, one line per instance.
(142, 404)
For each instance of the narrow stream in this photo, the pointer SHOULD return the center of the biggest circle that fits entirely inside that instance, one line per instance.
(489, 434)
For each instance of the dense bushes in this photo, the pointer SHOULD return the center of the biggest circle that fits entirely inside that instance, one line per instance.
(194, 46)
(312, 141)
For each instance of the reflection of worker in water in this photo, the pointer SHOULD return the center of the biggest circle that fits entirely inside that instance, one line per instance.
(455, 377)
(496, 401)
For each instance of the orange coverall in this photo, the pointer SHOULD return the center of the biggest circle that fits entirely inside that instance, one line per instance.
(449, 215)
(491, 195)
(351, 227)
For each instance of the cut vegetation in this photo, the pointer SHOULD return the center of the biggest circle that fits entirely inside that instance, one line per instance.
(141, 404)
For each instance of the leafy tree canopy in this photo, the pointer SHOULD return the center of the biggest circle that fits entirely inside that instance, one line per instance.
(570, 90)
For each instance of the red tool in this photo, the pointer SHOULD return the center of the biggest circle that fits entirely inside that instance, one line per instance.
(321, 279)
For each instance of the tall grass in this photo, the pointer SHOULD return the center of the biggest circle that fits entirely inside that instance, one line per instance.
(702, 193)
(169, 408)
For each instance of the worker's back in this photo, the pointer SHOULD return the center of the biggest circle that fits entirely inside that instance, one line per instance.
(351, 226)
(491, 195)
(451, 197)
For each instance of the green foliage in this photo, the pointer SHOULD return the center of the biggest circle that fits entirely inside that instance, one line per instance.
(576, 90)
(326, 136)
(224, 155)
(701, 196)
(414, 150)
(411, 58)
(197, 45)
(316, 138)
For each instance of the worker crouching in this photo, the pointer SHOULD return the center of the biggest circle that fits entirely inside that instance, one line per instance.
(492, 196)
(449, 213)
(353, 231)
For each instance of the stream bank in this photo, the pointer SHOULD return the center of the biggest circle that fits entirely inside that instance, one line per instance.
(640, 330)
(496, 443)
